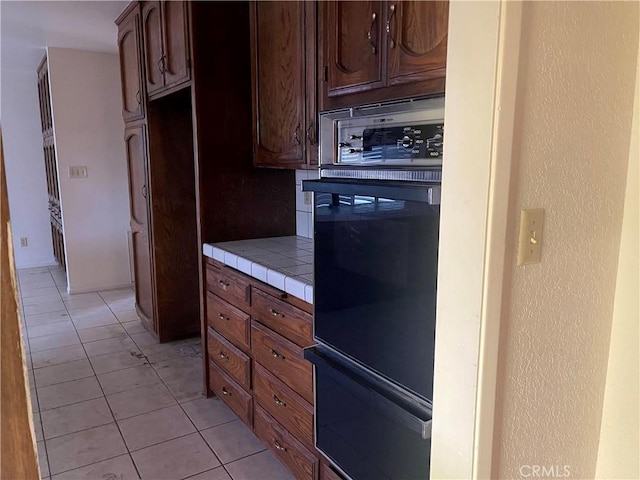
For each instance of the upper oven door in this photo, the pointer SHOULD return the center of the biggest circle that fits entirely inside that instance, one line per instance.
(376, 252)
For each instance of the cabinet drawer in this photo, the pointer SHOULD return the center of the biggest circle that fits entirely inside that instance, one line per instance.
(231, 393)
(229, 285)
(283, 358)
(289, 451)
(229, 358)
(285, 319)
(286, 406)
(231, 322)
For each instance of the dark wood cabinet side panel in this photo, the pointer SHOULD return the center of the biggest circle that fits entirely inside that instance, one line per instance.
(173, 215)
(236, 200)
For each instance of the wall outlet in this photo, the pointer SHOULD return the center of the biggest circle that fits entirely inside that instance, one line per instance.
(24, 242)
(307, 198)
(78, 172)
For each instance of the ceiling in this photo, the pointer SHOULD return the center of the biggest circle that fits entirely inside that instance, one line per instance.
(27, 27)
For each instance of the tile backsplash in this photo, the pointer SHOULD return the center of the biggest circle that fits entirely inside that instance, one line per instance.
(304, 219)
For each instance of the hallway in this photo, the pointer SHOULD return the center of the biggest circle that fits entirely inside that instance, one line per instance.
(111, 403)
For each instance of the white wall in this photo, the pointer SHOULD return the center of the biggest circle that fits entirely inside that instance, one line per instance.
(24, 161)
(88, 129)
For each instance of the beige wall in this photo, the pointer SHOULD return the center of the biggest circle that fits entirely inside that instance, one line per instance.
(619, 449)
(573, 125)
(88, 130)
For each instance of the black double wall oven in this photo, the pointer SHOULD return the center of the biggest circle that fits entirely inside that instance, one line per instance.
(376, 226)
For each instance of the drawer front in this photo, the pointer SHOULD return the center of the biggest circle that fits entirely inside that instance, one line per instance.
(229, 285)
(289, 451)
(285, 319)
(231, 322)
(282, 358)
(232, 394)
(229, 358)
(283, 404)
(327, 472)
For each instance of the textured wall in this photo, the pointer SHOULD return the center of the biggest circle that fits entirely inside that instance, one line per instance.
(619, 449)
(575, 105)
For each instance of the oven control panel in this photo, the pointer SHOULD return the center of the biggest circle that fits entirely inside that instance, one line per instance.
(383, 142)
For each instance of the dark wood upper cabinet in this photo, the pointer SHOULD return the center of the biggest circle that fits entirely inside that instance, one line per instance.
(166, 45)
(417, 41)
(129, 41)
(176, 32)
(153, 52)
(384, 50)
(353, 38)
(283, 51)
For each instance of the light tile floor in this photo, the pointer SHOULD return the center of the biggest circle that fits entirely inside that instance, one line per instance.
(111, 403)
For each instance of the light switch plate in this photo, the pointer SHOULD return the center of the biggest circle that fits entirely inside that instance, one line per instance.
(530, 239)
(78, 172)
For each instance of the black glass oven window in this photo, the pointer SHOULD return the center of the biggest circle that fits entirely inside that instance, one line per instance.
(375, 284)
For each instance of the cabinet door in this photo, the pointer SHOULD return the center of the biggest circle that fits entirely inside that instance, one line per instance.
(278, 55)
(136, 163)
(152, 30)
(353, 43)
(176, 46)
(130, 73)
(416, 40)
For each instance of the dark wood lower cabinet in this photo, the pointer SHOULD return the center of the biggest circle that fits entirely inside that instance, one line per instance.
(269, 386)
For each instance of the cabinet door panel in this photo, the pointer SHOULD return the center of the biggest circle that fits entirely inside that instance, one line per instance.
(130, 75)
(176, 62)
(152, 29)
(278, 51)
(416, 40)
(353, 34)
(136, 163)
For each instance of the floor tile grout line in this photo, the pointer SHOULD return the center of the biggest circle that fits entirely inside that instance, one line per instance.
(104, 395)
(35, 387)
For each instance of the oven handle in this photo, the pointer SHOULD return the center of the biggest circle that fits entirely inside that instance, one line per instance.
(424, 192)
(388, 400)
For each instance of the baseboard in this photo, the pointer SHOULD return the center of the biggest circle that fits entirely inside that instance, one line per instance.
(98, 288)
(50, 263)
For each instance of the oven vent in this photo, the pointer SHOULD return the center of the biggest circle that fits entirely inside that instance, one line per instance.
(377, 174)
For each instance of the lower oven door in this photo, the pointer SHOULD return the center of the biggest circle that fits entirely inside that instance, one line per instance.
(367, 428)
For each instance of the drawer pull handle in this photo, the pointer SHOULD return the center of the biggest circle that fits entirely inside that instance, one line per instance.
(223, 284)
(278, 446)
(279, 402)
(225, 392)
(276, 354)
(223, 317)
(223, 356)
(275, 313)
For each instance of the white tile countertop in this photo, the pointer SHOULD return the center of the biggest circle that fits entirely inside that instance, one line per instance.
(285, 263)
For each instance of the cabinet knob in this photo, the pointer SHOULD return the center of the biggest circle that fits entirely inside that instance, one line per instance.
(278, 402)
(296, 134)
(278, 446)
(275, 354)
(224, 391)
(275, 313)
(223, 356)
